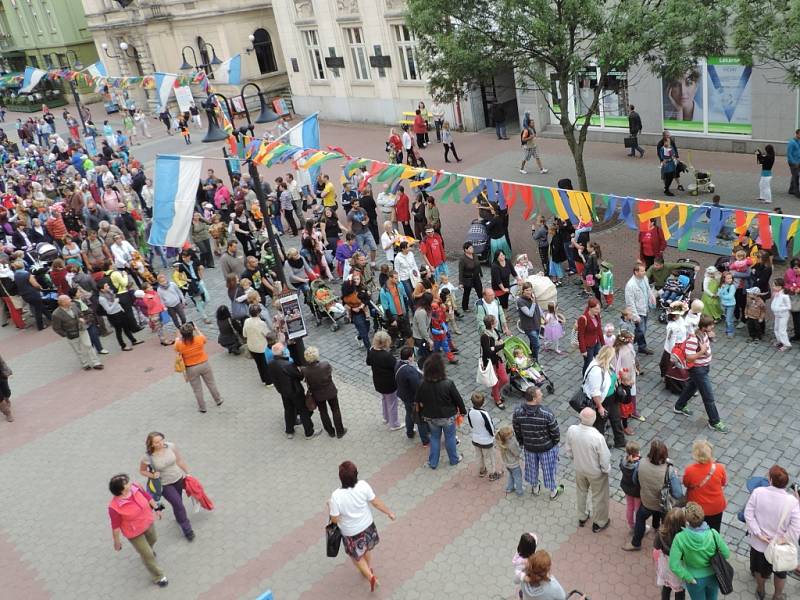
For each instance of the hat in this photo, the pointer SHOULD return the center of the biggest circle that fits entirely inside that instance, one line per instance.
(677, 308)
(753, 290)
(138, 294)
(712, 270)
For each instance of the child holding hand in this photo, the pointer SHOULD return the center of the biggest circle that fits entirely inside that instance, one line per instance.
(627, 466)
(510, 453)
(483, 433)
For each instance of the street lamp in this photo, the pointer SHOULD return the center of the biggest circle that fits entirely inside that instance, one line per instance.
(214, 131)
(76, 65)
(186, 66)
(267, 114)
(122, 46)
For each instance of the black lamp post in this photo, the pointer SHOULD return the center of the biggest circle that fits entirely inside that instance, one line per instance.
(75, 64)
(267, 115)
(186, 66)
(213, 135)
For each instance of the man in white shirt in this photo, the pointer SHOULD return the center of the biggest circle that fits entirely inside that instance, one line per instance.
(437, 110)
(592, 461)
(637, 299)
(122, 251)
(386, 201)
(297, 198)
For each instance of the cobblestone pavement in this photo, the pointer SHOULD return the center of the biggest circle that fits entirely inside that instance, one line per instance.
(455, 533)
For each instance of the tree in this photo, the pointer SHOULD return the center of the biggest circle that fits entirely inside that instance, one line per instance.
(465, 42)
(768, 31)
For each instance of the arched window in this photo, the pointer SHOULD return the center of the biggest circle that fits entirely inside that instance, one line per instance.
(264, 52)
(204, 58)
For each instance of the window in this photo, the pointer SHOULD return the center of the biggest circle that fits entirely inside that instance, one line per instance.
(314, 54)
(407, 48)
(37, 21)
(51, 19)
(358, 52)
(22, 25)
(265, 55)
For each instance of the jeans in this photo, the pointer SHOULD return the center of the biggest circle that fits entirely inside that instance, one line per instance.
(729, 318)
(591, 352)
(794, 187)
(437, 427)
(366, 241)
(533, 339)
(423, 351)
(500, 130)
(413, 417)
(639, 332)
(570, 256)
(362, 326)
(514, 480)
(642, 514)
(174, 495)
(94, 335)
(706, 588)
(699, 381)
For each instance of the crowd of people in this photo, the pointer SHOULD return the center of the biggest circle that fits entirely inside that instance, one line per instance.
(74, 229)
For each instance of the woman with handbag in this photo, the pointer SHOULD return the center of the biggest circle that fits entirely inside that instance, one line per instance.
(693, 553)
(491, 348)
(163, 462)
(600, 385)
(657, 482)
(191, 348)
(772, 515)
(501, 278)
(382, 362)
(319, 378)
(440, 402)
(350, 508)
(705, 481)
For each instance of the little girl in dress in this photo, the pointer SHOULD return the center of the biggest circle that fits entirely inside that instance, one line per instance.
(553, 328)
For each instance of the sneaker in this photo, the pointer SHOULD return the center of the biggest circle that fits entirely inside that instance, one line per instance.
(543, 171)
(460, 460)
(289, 436)
(315, 434)
(535, 489)
(428, 465)
(523, 171)
(98, 367)
(103, 351)
(682, 411)
(631, 548)
(598, 528)
(494, 476)
(190, 536)
(482, 473)
(397, 428)
(163, 582)
(557, 492)
(740, 325)
(719, 427)
(341, 435)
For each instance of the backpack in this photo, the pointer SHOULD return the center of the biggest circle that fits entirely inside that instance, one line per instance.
(678, 355)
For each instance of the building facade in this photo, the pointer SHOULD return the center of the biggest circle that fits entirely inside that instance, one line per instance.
(39, 33)
(161, 34)
(355, 61)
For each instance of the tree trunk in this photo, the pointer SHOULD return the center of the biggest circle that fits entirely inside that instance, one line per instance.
(576, 149)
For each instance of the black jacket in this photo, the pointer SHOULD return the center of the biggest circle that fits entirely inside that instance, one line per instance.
(440, 399)
(320, 381)
(469, 271)
(382, 363)
(535, 428)
(408, 377)
(634, 123)
(287, 377)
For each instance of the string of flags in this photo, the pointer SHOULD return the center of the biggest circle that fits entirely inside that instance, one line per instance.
(676, 219)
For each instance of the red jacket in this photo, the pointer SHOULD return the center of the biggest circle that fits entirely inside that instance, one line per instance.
(196, 491)
(652, 242)
(419, 124)
(589, 334)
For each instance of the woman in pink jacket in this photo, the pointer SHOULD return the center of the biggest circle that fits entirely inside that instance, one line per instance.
(131, 512)
(771, 512)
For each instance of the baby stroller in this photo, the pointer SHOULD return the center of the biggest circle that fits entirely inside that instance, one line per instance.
(701, 183)
(325, 304)
(688, 273)
(531, 376)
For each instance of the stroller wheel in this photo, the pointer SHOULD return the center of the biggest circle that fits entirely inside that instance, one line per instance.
(711, 189)
(662, 317)
(335, 327)
(550, 388)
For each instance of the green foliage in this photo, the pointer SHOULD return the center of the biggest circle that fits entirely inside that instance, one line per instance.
(464, 42)
(768, 31)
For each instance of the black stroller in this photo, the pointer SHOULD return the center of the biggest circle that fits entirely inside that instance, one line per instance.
(687, 270)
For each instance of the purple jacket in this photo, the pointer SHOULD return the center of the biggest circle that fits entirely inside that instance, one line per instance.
(763, 514)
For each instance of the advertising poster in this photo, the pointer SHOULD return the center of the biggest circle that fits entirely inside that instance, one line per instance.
(183, 95)
(729, 96)
(293, 315)
(682, 101)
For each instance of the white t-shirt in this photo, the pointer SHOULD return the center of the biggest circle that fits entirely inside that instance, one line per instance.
(387, 243)
(407, 143)
(692, 321)
(352, 507)
(596, 383)
(676, 333)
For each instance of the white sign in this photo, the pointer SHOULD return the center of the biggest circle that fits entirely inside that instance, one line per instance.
(293, 316)
(183, 95)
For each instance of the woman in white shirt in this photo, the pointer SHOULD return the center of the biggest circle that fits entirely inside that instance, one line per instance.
(350, 509)
(406, 266)
(598, 383)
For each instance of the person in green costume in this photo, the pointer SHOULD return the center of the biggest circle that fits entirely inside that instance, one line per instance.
(711, 305)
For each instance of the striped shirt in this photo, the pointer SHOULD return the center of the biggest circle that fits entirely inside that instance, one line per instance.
(693, 347)
(535, 428)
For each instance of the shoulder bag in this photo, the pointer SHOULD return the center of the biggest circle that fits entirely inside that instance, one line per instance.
(333, 537)
(311, 404)
(154, 487)
(486, 376)
(666, 501)
(723, 571)
(782, 555)
(580, 400)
